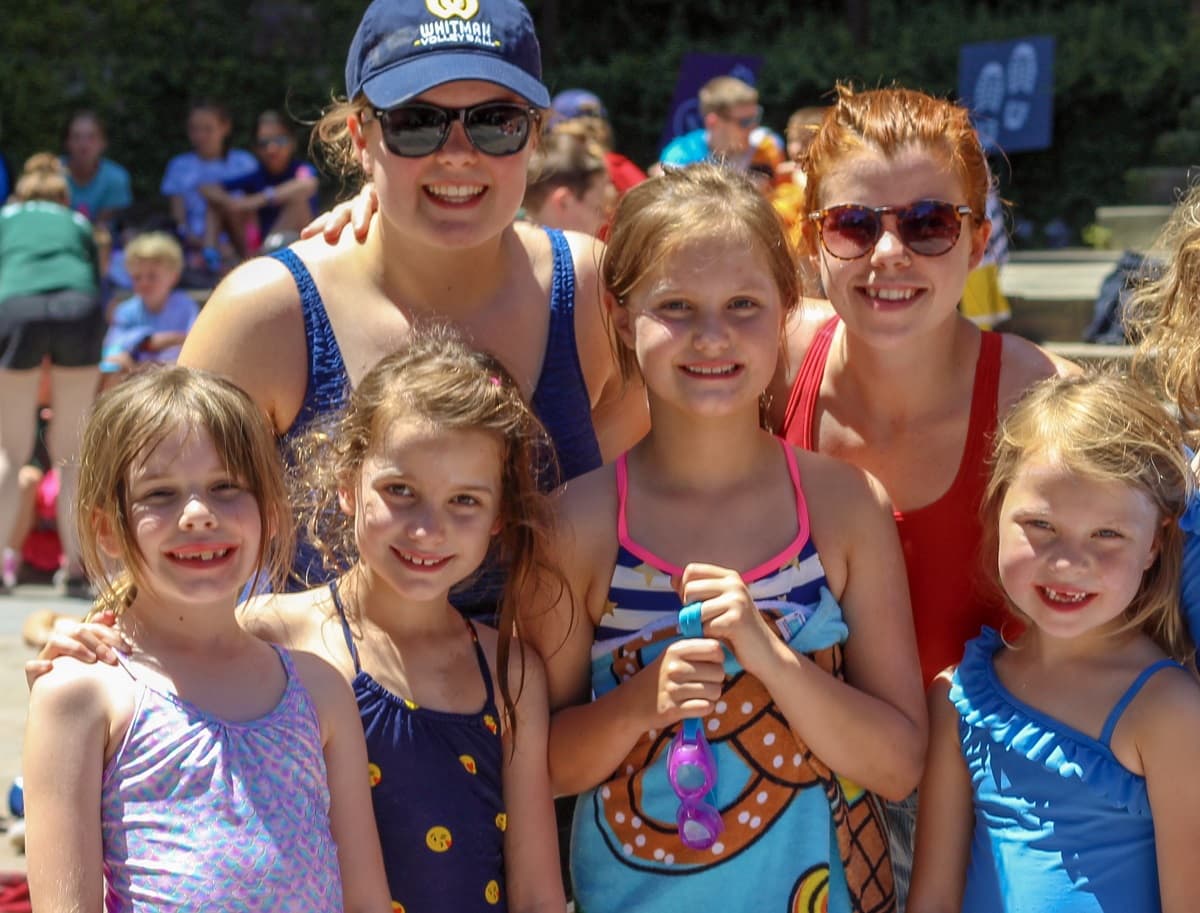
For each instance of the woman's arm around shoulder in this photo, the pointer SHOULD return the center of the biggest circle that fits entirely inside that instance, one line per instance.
(1165, 720)
(530, 836)
(84, 708)
(875, 731)
(620, 414)
(946, 817)
(251, 330)
(351, 816)
(1022, 364)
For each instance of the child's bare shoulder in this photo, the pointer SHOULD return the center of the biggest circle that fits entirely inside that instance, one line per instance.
(288, 619)
(587, 509)
(1169, 700)
(75, 692)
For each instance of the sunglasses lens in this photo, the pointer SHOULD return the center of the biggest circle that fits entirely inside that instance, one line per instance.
(414, 130)
(929, 228)
(499, 129)
(848, 232)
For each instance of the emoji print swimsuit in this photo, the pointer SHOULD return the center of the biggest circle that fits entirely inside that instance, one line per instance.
(436, 788)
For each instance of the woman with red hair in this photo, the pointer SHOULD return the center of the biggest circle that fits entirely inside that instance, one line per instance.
(897, 381)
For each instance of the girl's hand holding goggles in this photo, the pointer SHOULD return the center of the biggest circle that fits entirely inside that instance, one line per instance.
(692, 767)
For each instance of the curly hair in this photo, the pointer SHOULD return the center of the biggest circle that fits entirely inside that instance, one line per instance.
(440, 380)
(1163, 313)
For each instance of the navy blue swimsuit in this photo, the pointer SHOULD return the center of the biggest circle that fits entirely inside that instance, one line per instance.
(560, 399)
(437, 791)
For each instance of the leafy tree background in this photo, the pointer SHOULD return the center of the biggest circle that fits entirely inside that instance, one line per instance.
(1124, 70)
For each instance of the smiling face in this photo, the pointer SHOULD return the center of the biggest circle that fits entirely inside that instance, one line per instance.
(891, 295)
(705, 326)
(456, 197)
(1073, 550)
(426, 504)
(196, 527)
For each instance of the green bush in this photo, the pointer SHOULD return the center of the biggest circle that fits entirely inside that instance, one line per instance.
(1124, 70)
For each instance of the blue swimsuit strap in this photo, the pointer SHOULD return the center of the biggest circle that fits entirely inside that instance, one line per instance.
(480, 658)
(341, 610)
(327, 379)
(1130, 693)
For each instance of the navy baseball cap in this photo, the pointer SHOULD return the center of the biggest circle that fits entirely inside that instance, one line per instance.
(405, 47)
(572, 103)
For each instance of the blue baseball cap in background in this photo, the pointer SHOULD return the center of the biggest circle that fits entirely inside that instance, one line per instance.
(572, 103)
(405, 47)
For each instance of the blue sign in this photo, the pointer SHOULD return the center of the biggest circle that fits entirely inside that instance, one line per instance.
(1009, 87)
(697, 69)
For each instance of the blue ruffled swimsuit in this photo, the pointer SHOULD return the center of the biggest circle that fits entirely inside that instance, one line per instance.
(1060, 824)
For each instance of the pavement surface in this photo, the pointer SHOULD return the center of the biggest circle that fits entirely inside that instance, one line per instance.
(14, 609)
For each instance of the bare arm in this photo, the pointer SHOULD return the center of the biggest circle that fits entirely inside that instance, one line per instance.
(179, 216)
(872, 726)
(530, 837)
(252, 332)
(351, 816)
(588, 739)
(946, 819)
(1167, 719)
(62, 790)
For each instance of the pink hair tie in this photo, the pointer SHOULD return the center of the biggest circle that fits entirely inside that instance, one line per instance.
(494, 380)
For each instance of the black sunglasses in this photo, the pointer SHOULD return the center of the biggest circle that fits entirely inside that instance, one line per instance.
(494, 127)
(928, 227)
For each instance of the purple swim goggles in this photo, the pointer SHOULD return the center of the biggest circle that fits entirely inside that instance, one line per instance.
(691, 766)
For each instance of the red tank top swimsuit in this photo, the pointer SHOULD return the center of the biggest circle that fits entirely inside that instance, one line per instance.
(941, 541)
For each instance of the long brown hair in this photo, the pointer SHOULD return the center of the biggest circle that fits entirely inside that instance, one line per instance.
(440, 380)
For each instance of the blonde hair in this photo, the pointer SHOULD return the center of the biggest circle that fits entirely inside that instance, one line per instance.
(1163, 313)
(721, 93)
(439, 380)
(1107, 428)
(661, 215)
(43, 178)
(124, 427)
(155, 247)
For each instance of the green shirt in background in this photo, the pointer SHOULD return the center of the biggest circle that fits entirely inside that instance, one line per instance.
(45, 247)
